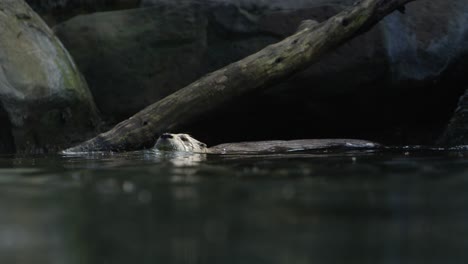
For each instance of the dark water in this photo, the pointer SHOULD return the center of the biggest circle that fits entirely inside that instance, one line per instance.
(398, 206)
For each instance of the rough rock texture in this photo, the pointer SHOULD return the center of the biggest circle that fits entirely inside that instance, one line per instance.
(382, 85)
(140, 56)
(45, 103)
(53, 11)
(258, 5)
(132, 58)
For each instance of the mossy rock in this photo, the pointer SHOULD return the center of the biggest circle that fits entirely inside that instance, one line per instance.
(45, 100)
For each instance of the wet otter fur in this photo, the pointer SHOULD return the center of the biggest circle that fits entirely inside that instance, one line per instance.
(184, 142)
(180, 142)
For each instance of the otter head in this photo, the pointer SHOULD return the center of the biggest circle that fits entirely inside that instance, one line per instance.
(180, 142)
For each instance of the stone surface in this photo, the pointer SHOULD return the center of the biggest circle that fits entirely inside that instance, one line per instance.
(45, 103)
(54, 11)
(135, 57)
(369, 88)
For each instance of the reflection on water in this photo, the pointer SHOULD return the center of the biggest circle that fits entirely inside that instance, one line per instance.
(394, 206)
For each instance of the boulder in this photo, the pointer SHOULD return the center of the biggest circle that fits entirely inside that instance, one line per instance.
(45, 104)
(54, 11)
(258, 6)
(135, 57)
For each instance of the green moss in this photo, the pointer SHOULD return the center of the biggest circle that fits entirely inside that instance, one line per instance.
(71, 78)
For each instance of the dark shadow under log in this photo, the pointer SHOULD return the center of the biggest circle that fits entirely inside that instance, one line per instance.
(260, 70)
(6, 138)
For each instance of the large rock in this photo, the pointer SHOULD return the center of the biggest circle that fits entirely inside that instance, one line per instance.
(54, 11)
(45, 103)
(133, 58)
(351, 92)
(260, 6)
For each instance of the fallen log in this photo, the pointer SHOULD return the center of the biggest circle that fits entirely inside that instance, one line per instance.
(257, 71)
(455, 132)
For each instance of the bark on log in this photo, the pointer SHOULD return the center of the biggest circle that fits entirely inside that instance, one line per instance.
(455, 133)
(273, 63)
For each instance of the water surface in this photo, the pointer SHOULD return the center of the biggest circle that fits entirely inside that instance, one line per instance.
(393, 206)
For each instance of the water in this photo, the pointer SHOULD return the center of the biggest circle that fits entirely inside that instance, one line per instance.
(394, 206)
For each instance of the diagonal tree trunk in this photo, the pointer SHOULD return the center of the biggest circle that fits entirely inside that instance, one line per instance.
(257, 71)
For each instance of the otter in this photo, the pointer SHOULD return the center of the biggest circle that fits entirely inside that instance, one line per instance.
(184, 142)
(180, 142)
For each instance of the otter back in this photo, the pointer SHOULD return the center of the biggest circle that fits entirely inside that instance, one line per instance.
(278, 146)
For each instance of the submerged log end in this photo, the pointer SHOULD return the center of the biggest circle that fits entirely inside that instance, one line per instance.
(126, 136)
(98, 143)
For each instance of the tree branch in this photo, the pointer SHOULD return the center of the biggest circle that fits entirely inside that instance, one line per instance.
(257, 71)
